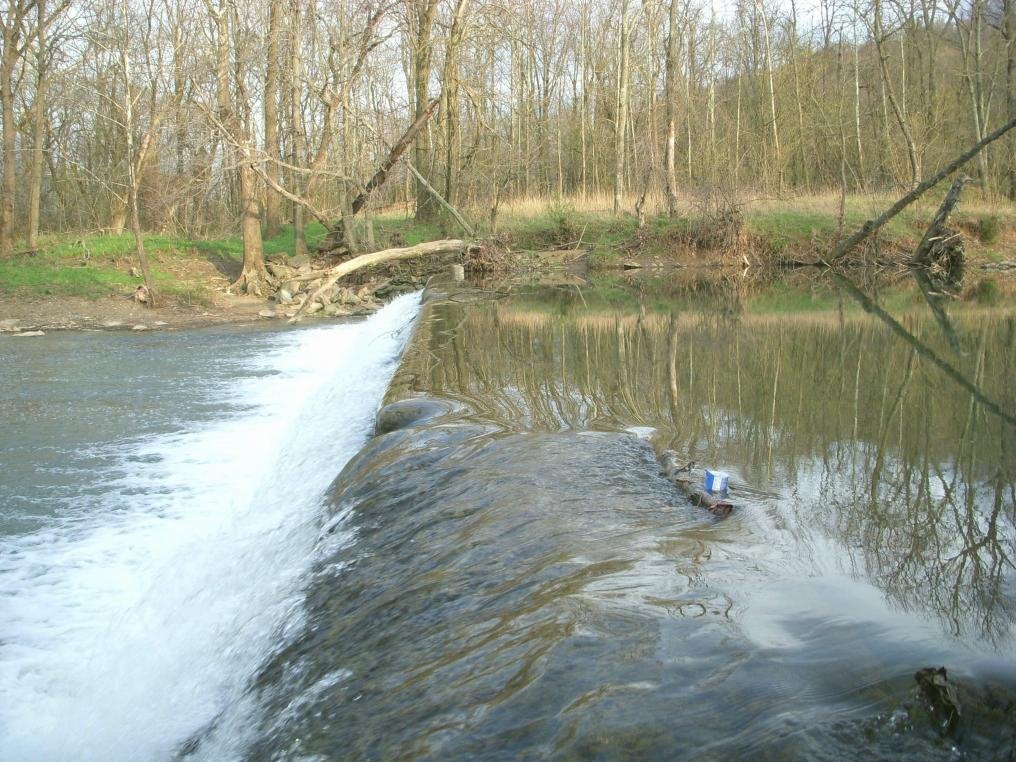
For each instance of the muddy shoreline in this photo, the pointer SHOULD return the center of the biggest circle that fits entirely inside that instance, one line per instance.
(116, 313)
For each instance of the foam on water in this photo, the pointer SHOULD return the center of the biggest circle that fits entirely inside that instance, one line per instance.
(125, 631)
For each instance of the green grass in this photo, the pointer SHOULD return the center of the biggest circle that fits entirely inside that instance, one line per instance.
(98, 265)
(95, 266)
(89, 266)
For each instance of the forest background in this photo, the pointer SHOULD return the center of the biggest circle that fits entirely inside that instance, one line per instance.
(218, 131)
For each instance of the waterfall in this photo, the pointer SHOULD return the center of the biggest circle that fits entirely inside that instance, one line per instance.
(126, 630)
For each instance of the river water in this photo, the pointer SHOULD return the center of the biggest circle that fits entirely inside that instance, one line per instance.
(160, 504)
(207, 555)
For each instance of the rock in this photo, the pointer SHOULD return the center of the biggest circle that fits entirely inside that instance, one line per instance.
(411, 412)
(292, 286)
(290, 313)
(284, 296)
(304, 270)
(299, 262)
(28, 333)
(112, 323)
(313, 307)
(334, 310)
(160, 323)
(10, 325)
(139, 327)
(267, 313)
(941, 696)
(280, 271)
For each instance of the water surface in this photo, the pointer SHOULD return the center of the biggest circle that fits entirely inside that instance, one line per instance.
(160, 503)
(207, 555)
(526, 585)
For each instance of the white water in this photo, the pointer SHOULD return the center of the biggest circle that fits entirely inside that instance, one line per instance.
(124, 633)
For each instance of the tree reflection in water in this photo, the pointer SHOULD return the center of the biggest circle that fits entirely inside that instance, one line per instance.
(875, 440)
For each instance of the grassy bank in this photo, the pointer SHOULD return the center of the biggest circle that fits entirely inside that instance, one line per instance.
(191, 271)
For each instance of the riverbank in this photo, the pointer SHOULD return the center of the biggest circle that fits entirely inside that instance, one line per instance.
(88, 281)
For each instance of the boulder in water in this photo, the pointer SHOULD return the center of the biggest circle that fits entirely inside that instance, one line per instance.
(409, 412)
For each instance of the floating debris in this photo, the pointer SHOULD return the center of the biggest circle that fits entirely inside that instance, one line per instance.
(688, 479)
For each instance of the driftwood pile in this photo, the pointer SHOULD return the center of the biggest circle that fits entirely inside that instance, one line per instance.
(304, 290)
(295, 294)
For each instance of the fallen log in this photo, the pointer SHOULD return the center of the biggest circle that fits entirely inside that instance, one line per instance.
(847, 245)
(688, 479)
(939, 239)
(446, 246)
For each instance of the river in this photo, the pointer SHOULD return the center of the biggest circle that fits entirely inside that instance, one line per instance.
(206, 554)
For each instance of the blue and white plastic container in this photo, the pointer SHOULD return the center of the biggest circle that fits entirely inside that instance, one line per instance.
(716, 481)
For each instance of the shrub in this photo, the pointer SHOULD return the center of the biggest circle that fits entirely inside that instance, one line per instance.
(984, 291)
(989, 229)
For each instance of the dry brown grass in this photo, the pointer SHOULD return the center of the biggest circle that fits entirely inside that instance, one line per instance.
(823, 202)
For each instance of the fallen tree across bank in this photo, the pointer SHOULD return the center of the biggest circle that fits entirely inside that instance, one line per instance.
(871, 226)
(332, 275)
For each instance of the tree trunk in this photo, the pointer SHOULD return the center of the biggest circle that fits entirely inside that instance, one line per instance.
(139, 241)
(38, 131)
(273, 203)
(8, 59)
(296, 117)
(253, 277)
(621, 104)
(857, 115)
(426, 10)
(1009, 36)
(772, 94)
(134, 163)
(451, 86)
(890, 91)
(670, 164)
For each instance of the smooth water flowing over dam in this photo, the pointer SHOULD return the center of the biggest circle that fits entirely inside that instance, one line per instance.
(160, 505)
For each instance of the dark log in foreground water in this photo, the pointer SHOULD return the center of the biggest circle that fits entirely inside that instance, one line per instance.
(688, 479)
